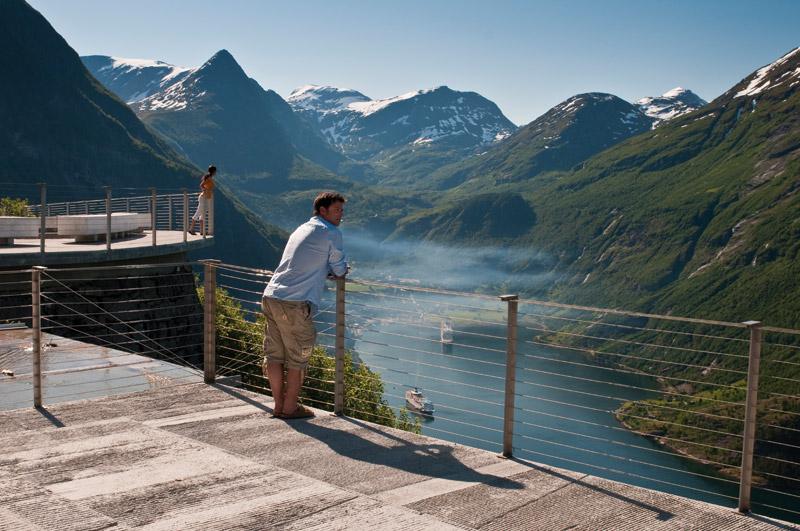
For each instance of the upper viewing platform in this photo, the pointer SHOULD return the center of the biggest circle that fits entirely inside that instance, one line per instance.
(104, 230)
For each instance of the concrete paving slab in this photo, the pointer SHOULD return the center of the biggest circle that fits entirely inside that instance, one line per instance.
(478, 506)
(430, 488)
(234, 409)
(208, 457)
(24, 505)
(344, 452)
(367, 514)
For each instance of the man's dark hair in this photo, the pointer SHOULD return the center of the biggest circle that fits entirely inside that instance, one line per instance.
(212, 169)
(326, 199)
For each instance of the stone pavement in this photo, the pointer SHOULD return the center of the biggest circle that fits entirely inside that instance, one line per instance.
(195, 456)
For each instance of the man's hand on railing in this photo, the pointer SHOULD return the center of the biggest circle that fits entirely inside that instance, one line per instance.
(331, 276)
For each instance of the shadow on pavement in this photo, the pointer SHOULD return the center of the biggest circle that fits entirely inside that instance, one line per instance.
(402, 453)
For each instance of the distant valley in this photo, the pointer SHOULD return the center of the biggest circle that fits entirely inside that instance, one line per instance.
(621, 203)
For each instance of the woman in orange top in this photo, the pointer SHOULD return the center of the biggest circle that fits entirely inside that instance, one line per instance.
(206, 195)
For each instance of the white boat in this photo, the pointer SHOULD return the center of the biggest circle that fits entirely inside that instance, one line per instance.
(446, 331)
(417, 403)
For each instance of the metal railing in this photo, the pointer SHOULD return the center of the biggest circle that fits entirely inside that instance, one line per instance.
(95, 331)
(168, 212)
(703, 408)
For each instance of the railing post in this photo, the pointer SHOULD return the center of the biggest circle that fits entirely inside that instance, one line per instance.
(209, 319)
(36, 328)
(751, 401)
(108, 217)
(170, 205)
(338, 396)
(153, 212)
(185, 213)
(511, 374)
(43, 215)
(211, 215)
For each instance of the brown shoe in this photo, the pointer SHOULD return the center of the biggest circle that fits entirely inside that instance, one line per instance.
(300, 412)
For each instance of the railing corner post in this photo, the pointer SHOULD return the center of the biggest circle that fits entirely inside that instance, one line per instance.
(751, 403)
(209, 319)
(36, 329)
(511, 374)
(338, 400)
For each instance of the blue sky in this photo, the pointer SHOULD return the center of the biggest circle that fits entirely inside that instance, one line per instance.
(526, 56)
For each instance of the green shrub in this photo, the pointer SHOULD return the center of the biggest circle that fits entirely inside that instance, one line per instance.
(14, 207)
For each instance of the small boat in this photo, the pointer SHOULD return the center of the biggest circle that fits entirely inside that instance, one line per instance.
(417, 403)
(446, 331)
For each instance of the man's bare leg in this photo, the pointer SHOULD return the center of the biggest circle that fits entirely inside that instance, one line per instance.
(294, 380)
(275, 375)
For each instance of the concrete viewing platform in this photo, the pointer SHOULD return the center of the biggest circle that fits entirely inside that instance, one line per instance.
(197, 456)
(68, 251)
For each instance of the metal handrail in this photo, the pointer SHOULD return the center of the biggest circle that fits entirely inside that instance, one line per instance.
(603, 411)
(168, 212)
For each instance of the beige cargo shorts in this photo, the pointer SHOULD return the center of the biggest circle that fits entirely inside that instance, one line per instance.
(289, 334)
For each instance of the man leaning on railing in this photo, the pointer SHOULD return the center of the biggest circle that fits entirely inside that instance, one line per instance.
(313, 252)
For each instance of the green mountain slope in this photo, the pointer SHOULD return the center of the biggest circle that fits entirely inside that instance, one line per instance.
(700, 217)
(695, 217)
(62, 127)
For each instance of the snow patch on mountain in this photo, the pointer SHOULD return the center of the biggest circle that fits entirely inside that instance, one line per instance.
(177, 97)
(365, 108)
(631, 117)
(141, 77)
(354, 123)
(762, 80)
(131, 64)
(324, 98)
(671, 104)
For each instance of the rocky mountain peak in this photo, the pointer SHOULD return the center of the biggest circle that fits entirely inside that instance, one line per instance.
(598, 108)
(671, 104)
(220, 75)
(222, 64)
(362, 127)
(323, 99)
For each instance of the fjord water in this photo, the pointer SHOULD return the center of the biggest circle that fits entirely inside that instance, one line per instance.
(564, 401)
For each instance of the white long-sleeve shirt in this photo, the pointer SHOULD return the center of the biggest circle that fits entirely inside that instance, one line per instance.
(314, 249)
